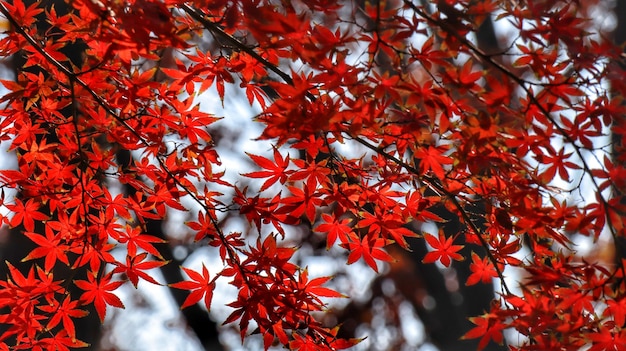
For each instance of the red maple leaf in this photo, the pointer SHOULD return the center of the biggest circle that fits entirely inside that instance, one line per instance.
(275, 171)
(616, 309)
(201, 286)
(135, 267)
(134, 238)
(98, 292)
(64, 313)
(488, 327)
(49, 246)
(482, 270)
(370, 250)
(303, 343)
(26, 213)
(60, 341)
(314, 286)
(336, 229)
(608, 339)
(443, 250)
(432, 159)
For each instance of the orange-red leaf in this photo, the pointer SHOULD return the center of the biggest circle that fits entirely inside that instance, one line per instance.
(443, 250)
(200, 286)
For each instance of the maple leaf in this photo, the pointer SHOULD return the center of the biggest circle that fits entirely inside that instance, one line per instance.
(134, 238)
(482, 270)
(302, 202)
(60, 341)
(488, 327)
(204, 226)
(26, 214)
(336, 229)
(314, 286)
(304, 343)
(135, 267)
(200, 285)
(194, 127)
(18, 279)
(616, 309)
(468, 78)
(443, 250)
(557, 164)
(165, 194)
(25, 15)
(370, 250)
(312, 145)
(49, 246)
(96, 255)
(417, 206)
(118, 204)
(315, 174)
(387, 225)
(338, 343)
(275, 171)
(47, 286)
(607, 339)
(64, 313)
(98, 291)
(432, 158)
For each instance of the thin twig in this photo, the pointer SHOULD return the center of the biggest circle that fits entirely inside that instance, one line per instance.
(435, 185)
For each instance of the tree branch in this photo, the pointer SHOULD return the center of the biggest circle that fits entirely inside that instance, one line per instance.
(217, 31)
(435, 185)
(484, 57)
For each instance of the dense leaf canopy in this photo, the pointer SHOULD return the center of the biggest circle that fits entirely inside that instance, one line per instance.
(378, 112)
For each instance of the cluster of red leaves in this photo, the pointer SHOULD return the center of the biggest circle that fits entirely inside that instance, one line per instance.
(429, 131)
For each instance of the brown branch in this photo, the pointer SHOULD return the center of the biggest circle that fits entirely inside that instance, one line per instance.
(238, 45)
(435, 185)
(482, 56)
(217, 31)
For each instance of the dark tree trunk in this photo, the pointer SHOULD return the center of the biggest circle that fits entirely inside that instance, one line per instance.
(619, 146)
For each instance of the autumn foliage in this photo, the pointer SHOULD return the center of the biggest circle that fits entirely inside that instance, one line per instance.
(377, 111)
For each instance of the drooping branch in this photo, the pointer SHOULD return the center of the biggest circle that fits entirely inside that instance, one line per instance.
(489, 59)
(237, 44)
(435, 185)
(217, 31)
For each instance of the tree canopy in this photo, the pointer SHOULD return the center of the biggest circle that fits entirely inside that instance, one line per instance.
(379, 114)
